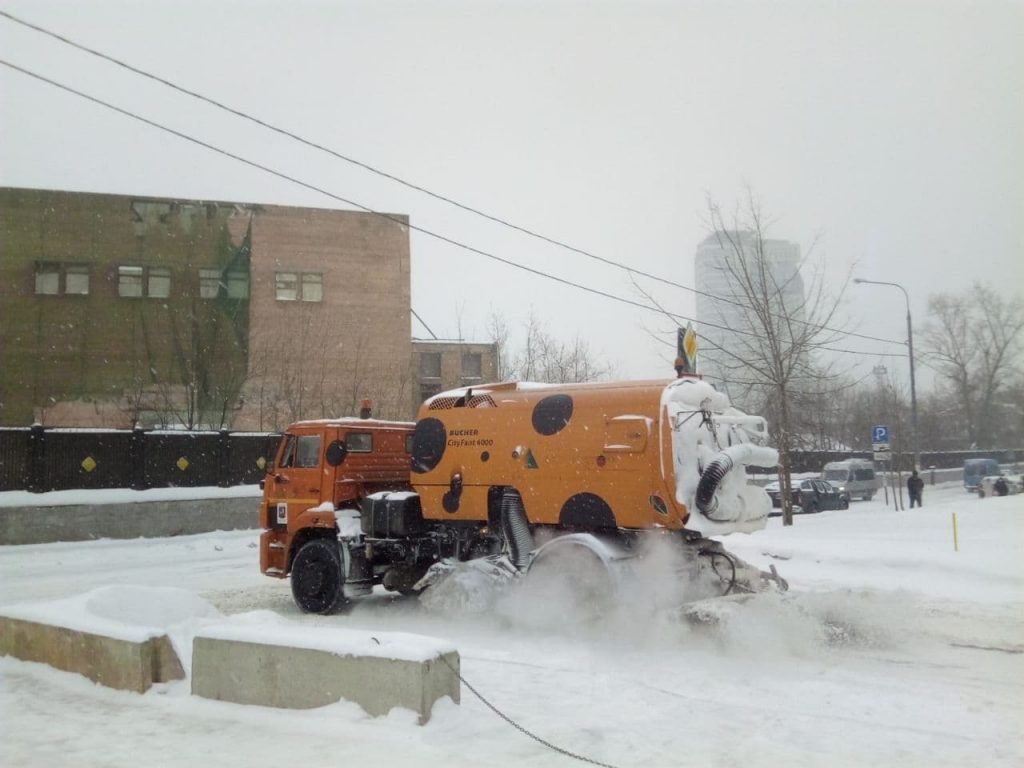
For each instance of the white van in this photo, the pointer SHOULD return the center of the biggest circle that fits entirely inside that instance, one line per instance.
(854, 477)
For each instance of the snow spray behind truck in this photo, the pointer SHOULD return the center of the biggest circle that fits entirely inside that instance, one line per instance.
(591, 469)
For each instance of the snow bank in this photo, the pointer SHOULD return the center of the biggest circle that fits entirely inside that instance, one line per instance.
(124, 612)
(268, 628)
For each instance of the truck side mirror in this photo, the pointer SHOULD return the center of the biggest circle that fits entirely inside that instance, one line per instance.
(336, 453)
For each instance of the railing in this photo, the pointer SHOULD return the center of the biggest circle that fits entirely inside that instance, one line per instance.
(40, 459)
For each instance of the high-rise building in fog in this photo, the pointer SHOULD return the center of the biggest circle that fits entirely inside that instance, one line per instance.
(724, 327)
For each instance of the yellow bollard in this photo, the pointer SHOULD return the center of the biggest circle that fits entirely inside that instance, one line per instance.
(956, 541)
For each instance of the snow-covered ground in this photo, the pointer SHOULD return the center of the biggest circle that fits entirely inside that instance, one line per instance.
(890, 649)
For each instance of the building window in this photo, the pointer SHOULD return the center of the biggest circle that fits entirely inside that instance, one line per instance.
(54, 278)
(286, 286)
(47, 278)
(312, 287)
(129, 281)
(209, 283)
(472, 365)
(134, 281)
(430, 365)
(238, 285)
(159, 284)
(428, 389)
(76, 279)
(299, 286)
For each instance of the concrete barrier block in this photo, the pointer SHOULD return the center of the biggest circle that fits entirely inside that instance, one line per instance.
(85, 522)
(291, 677)
(131, 665)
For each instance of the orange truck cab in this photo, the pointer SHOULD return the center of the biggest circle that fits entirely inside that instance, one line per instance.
(321, 472)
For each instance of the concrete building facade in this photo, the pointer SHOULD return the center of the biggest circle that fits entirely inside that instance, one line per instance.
(118, 310)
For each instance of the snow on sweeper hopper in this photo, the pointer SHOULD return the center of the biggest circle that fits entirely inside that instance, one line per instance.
(594, 471)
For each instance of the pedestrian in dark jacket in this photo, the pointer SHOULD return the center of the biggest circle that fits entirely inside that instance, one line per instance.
(1000, 487)
(915, 485)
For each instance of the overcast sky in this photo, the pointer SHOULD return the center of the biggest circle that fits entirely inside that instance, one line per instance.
(888, 134)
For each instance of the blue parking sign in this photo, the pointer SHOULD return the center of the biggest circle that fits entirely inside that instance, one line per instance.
(880, 434)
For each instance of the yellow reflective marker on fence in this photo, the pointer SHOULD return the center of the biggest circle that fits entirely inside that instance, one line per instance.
(89, 464)
(182, 463)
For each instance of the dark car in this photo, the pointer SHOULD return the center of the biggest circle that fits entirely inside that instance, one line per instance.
(811, 496)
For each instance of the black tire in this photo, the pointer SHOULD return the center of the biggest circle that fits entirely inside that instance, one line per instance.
(317, 579)
(814, 508)
(844, 503)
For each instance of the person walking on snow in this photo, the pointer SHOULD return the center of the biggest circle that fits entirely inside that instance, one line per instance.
(914, 487)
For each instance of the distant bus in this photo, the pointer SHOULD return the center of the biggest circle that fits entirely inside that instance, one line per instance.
(976, 469)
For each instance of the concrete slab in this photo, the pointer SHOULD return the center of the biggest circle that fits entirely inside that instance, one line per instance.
(114, 662)
(302, 678)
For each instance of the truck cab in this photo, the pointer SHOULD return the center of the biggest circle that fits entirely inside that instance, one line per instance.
(321, 472)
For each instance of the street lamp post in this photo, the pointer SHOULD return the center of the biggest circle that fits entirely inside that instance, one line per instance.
(910, 349)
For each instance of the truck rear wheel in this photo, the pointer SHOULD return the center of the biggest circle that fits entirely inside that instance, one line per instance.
(317, 579)
(576, 580)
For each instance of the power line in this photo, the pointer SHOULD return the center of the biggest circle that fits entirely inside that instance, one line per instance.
(410, 185)
(390, 217)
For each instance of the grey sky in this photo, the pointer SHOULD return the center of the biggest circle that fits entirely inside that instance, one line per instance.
(890, 132)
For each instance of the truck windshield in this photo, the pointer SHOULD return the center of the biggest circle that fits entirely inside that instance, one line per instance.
(836, 474)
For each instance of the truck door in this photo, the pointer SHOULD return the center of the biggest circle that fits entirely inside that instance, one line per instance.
(299, 476)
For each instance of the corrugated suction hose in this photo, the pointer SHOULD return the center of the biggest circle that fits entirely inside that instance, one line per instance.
(718, 468)
(516, 528)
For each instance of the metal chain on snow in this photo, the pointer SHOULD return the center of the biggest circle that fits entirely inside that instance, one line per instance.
(520, 728)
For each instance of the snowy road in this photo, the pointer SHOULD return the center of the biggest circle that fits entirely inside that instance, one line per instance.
(891, 649)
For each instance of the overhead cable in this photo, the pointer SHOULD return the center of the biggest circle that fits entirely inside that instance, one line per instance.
(390, 217)
(410, 185)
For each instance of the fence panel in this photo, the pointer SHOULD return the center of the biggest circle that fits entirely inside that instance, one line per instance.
(86, 459)
(248, 455)
(182, 459)
(13, 459)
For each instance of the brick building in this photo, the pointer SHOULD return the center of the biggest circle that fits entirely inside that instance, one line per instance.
(445, 364)
(117, 310)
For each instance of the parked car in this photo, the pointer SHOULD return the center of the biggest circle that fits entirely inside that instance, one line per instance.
(810, 496)
(854, 477)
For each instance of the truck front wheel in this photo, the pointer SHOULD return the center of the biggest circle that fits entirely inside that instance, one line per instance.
(317, 579)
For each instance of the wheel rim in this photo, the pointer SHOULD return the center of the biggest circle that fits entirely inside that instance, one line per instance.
(312, 579)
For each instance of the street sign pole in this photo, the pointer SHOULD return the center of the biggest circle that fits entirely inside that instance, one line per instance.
(881, 448)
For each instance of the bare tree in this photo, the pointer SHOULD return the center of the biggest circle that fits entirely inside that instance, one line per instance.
(497, 329)
(543, 357)
(769, 360)
(974, 342)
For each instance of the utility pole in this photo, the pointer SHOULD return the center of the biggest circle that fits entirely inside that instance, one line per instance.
(910, 350)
